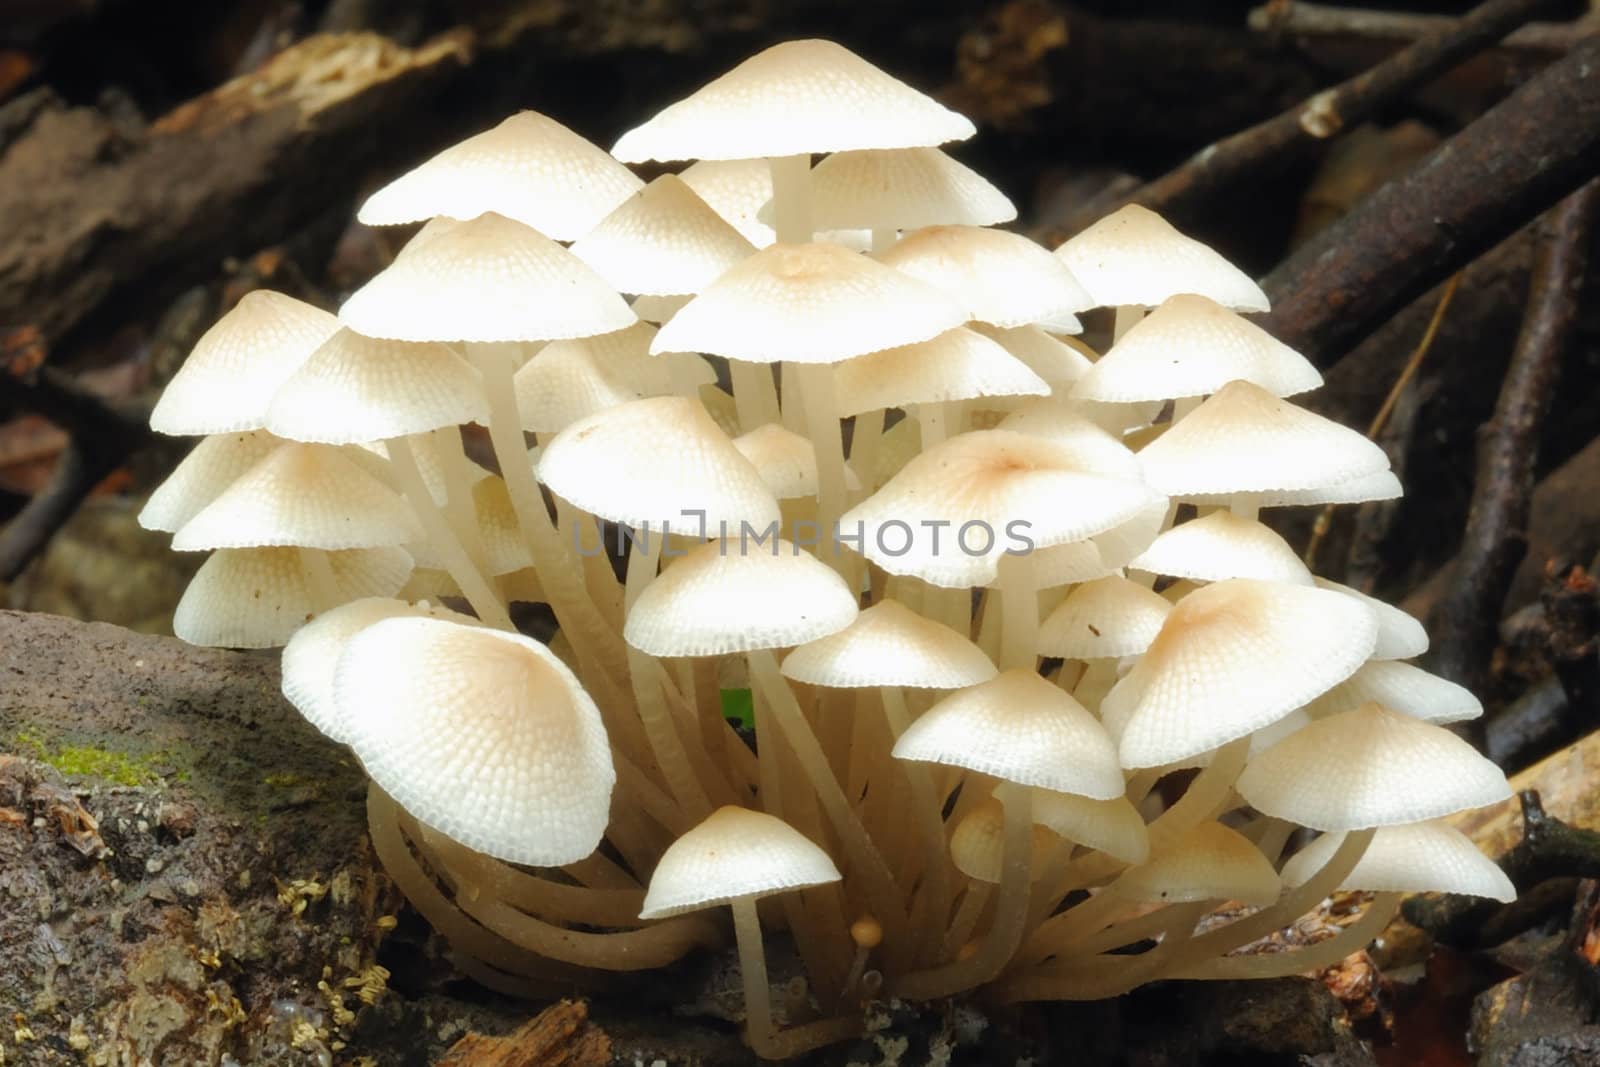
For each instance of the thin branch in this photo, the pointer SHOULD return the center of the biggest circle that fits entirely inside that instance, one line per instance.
(1296, 18)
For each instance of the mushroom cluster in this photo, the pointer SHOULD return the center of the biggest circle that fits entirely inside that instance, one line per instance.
(856, 466)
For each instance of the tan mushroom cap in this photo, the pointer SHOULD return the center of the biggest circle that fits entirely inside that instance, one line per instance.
(651, 461)
(205, 472)
(1050, 358)
(664, 241)
(1192, 346)
(736, 189)
(1099, 556)
(1399, 635)
(1231, 658)
(1400, 687)
(309, 495)
(1134, 257)
(1064, 422)
(1104, 619)
(738, 596)
(1210, 862)
(1001, 278)
(569, 380)
(889, 644)
(258, 597)
(1110, 826)
(355, 388)
(902, 189)
(490, 279)
(1245, 440)
(1424, 857)
(794, 98)
(977, 844)
(958, 364)
(1019, 728)
(734, 853)
(786, 461)
(1369, 767)
(529, 168)
(1223, 545)
(229, 378)
(483, 735)
(808, 303)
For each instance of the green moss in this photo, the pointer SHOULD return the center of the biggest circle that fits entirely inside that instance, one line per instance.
(89, 761)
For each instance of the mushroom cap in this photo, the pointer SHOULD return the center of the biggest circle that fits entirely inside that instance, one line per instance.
(1134, 257)
(483, 735)
(889, 644)
(1192, 346)
(734, 853)
(1424, 857)
(1400, 687)
(1000, 278)
(738, 596)
(1400, 636)
(213, 465)
(234, 369)
(314, 496)
(977, 844)
(1369, 767)
(1106, 618)
(504, 548)
(1019, 728)
(956, 365)
(1052, 359)
(736, 189)
(656, 461)
(1063, 422)
(785, 460)
(1210, 862)
(1223, 545)
(568, 380)
(529, 168)
(355, 388)
(808, 303)
(902, 189)
(1245, 440)
(1098, 557)
(664, 241)
(794, 98)
(489, 279)
(1232, 658)
(258, 597)
(1110, 826)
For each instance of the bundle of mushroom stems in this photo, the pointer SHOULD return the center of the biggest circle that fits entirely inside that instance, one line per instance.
(1038, 702)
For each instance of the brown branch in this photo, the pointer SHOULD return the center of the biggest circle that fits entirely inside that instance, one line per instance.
(1299, 19)
(1466, 622)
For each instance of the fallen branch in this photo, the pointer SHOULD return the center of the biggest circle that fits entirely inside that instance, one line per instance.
(1296, 18)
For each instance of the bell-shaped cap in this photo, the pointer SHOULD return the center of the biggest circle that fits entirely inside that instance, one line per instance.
(1110, 826)
(1052, 359)
(734, 854)
(309, 495)
(356, 388)
(798, 97)
(1019, 728)
(1064, 422)
(889, 644)
(977, 844)
(1098, 557)
(258, 597)
(1400, 636)
(1424, 857)
(1210, 862)
(490, 279)
(1369, 767)
(1107, 618)
(664, 241)
(569, 380)
(739, 595)
(1000, 278)
(736, 189)
(1193, 346)
(808, 303)
(656, 461)
(529, 168)
(1134, 257)
(1245, 440)
(785, 460)
(1223, 545)
(1400, 687)
(234, 369)
(212, 466)
(902, 189)
(483, 735)
(958, 364)
(1232, 658)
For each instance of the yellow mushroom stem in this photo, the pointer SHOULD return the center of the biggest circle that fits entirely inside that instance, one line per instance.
(766, 1039)
(1350, 940)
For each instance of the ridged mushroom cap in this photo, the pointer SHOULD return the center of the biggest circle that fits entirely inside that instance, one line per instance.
(1210, 862)
(1052, 359)
(1424, 857)
(738, 596)
(529, 168)
(1110, 826)
(977, 844)
(734, 853)
(1193, 346)
(1106, 618)
(489, 279)
(736, 189)
(1400, 687)
(213, 465)
(1400, 636)
(785, 460)
(1369, 767)
(663, 241)
(1000, 278)
(1231, 658)
(1135, 257)
(1223, 545)
(797, 97)
(889, 644)
(483, 735)
(237, 365)
(902, 189)
(1019, 728)
(958, 364)
(1063, 422)
(569, 380)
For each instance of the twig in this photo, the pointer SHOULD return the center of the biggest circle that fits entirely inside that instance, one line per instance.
(1466, 622)
(1297, 19)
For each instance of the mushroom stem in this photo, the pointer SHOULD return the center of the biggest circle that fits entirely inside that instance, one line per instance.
(822, 426)
(320, 582)
(1019, 604)
(1351, 939)
(791, 198)
(925, 804)
(973, 902)
(932, 421)
(865, 437)
(1098, 977)
(883, 238)
(765, 1039)
(1127, 317)
(755, 398)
